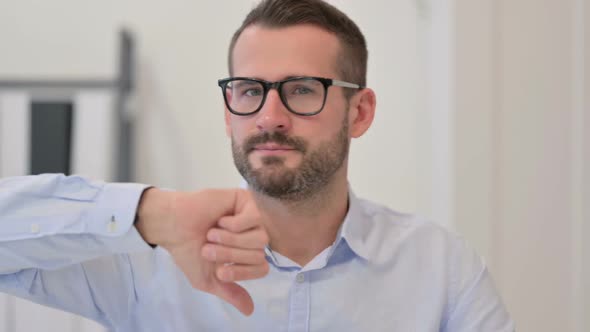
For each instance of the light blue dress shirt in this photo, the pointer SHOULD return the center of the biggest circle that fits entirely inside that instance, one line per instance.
(70, 243)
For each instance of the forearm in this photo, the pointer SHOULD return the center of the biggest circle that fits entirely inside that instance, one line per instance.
(154, 216)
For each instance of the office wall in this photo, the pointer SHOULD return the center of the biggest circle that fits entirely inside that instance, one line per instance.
(522, 153)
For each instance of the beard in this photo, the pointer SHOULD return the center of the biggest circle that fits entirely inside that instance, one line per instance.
(274, 179)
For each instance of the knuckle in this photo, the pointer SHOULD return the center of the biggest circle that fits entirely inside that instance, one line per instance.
(215, 235)
(232, 225)
(208, 251)
(229, 238)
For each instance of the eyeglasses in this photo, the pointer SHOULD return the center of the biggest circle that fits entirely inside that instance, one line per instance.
(301, 95)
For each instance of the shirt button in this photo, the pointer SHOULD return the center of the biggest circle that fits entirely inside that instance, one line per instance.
(112, 225)
(35, 228)
(300, 278)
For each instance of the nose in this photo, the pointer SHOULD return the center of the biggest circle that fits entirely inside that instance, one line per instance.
(273, 116)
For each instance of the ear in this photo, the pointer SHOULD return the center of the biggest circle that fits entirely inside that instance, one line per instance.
(362, 112)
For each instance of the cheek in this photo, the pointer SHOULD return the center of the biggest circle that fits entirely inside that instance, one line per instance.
(228, 129)
(337, 105)
(239, 128)
(332, 122)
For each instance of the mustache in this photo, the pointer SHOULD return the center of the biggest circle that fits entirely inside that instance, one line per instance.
(276, 137)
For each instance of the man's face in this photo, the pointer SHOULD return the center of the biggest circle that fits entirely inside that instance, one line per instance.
(281, 154)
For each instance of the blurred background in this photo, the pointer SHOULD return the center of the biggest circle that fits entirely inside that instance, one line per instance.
(482, 124)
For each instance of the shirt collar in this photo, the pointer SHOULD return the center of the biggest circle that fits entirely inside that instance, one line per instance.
(356, 228)
(355, 231)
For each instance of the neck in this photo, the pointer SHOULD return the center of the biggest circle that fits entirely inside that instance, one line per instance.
(301, 230)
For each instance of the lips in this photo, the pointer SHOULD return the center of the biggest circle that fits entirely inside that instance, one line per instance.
(276, 142)
(273, 147)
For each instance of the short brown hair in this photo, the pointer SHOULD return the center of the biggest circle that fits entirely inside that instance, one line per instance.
(352, 61)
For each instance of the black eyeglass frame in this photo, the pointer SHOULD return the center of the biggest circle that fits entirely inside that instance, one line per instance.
(267, 86)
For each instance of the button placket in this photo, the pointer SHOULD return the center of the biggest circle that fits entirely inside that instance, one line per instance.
(300, 304)
(300, 278)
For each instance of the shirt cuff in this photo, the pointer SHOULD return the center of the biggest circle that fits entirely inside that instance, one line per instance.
(114, 217)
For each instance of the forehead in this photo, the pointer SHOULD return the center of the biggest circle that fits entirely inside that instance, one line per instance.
(277, 53)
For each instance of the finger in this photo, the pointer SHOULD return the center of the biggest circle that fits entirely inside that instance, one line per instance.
(238, 272)
(240, 222)
(237, 296)
(256, 238)
(221, 254)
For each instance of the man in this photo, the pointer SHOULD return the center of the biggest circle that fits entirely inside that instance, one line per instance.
(296, 97)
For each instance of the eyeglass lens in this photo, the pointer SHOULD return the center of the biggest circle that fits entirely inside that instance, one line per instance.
(303, 96)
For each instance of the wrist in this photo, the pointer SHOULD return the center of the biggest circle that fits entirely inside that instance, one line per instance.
(153, 215)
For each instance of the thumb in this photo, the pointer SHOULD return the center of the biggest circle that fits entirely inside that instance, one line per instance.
(237, 296)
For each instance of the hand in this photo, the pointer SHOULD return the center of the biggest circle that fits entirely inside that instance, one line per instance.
(215, 237)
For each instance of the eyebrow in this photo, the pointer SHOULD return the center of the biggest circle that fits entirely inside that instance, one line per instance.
(293, 76)
(244, 83)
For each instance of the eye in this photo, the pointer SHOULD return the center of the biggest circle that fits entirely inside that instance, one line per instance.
(247, 88)
(252, 92)
(302, 90)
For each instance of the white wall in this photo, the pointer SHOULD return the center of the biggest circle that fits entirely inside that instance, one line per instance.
(522, 153)
(182, 47)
